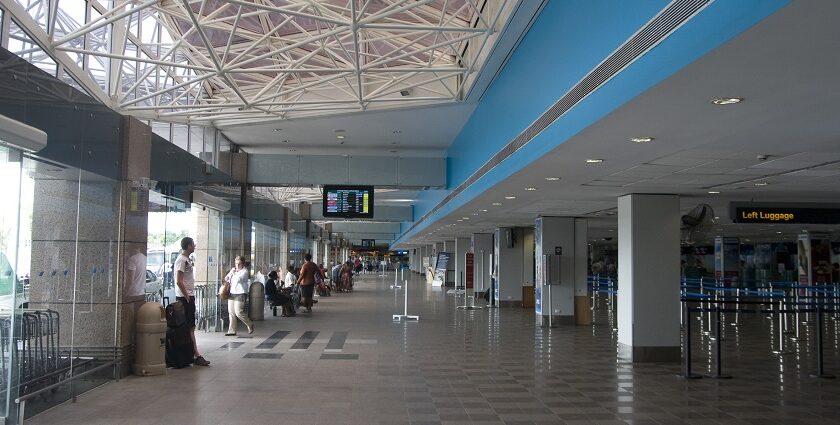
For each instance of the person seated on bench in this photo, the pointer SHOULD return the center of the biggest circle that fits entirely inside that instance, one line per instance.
(277, 297)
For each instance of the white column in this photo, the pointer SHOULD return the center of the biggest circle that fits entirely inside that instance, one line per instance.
(509, 266)
(648, 277)
(560, 237)
(482, 247)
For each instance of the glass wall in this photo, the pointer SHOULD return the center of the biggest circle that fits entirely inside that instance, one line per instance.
(170, 220)
(60, 259)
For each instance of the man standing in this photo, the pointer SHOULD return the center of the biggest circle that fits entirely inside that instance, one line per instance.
(306, 280)
(185, 291)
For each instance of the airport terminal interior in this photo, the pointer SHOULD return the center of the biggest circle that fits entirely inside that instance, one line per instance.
(422, 212)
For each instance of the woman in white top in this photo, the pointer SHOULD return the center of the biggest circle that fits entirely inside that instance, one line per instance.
(238, 278)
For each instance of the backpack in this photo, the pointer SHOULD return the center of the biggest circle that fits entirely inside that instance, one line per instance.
(176, 315)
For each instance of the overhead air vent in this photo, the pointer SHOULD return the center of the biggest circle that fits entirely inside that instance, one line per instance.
(653, 33)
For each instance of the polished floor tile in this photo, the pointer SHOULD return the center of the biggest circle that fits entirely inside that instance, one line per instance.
(349, 363)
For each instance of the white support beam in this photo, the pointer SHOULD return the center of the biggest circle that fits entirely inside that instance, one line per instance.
(37, 34)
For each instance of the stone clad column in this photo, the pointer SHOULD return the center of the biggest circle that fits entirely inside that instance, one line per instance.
(649, 277)
(89, 248)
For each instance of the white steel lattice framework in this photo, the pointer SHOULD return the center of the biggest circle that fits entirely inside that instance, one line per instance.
(241, 61)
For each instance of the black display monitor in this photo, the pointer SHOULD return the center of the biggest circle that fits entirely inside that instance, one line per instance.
(348, 201)
(368, 243)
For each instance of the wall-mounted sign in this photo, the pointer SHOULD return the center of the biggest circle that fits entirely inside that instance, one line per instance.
(781, 214)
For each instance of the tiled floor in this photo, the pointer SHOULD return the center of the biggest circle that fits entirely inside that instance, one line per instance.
(348, 363)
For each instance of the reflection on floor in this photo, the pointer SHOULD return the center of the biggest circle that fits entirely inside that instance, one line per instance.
(348, 363)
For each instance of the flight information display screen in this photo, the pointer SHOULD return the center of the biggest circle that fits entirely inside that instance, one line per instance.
(348, 201)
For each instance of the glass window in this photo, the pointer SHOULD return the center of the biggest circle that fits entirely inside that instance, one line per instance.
(180, 136)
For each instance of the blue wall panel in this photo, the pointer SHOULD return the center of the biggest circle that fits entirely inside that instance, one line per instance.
(568, 39)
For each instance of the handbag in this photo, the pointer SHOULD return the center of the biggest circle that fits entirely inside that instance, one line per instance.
(224, 291)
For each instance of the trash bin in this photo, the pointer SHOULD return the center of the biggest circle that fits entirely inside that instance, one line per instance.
(150, 355)
(256, 295)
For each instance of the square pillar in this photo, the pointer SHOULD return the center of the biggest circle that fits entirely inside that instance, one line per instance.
(561, 241)
(509, 266)
(649, 277)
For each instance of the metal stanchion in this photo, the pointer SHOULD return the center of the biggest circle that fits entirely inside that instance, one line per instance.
(782, 321)
(796, 314)
(820, 369)
(687, 343)
(405, 316)
(718, 365)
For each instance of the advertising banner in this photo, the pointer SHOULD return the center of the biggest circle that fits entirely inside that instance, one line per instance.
(441, 264)
(469, 266)
(803, 257)
(727, 261)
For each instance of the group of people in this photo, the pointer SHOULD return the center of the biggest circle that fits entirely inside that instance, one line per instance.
(301, 281)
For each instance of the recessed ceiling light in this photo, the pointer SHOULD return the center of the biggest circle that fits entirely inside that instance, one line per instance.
(459, 220)
(475, 214)
(594, 161)
(552, 179)
(483, 210)
(531, 188)
(714, 192)
(510, 197)
(339, 137)
(496, 204)
(779, 232)
(721, 101)
(641, 139)
(761, 184)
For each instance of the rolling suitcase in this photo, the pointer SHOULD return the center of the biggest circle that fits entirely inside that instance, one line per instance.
(179, 349)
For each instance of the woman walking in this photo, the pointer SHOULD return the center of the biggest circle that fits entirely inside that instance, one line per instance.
(238, 278)
(346, 277)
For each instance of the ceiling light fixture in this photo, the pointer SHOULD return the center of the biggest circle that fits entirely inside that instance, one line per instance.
(483, 210)
(714, 192)
(278, 129)
(510, 197)
(496, 204)
(761, 184)
(475, 214)
(339, 137)
(641, 139)
(530, 189)
(552, 179)
(722, 101)
(594, 161)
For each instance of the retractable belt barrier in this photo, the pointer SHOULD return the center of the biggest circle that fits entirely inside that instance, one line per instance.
(818, 306)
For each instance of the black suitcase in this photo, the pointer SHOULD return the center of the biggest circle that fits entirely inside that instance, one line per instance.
(179, 349)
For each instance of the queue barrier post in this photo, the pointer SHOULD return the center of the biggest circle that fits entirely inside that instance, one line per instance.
(687, 343)
(718, 347)
(820, 366)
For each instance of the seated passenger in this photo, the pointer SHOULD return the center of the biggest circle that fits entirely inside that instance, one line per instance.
(277, 297)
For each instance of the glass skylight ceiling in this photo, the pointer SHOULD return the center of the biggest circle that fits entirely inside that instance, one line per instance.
(240, 61)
